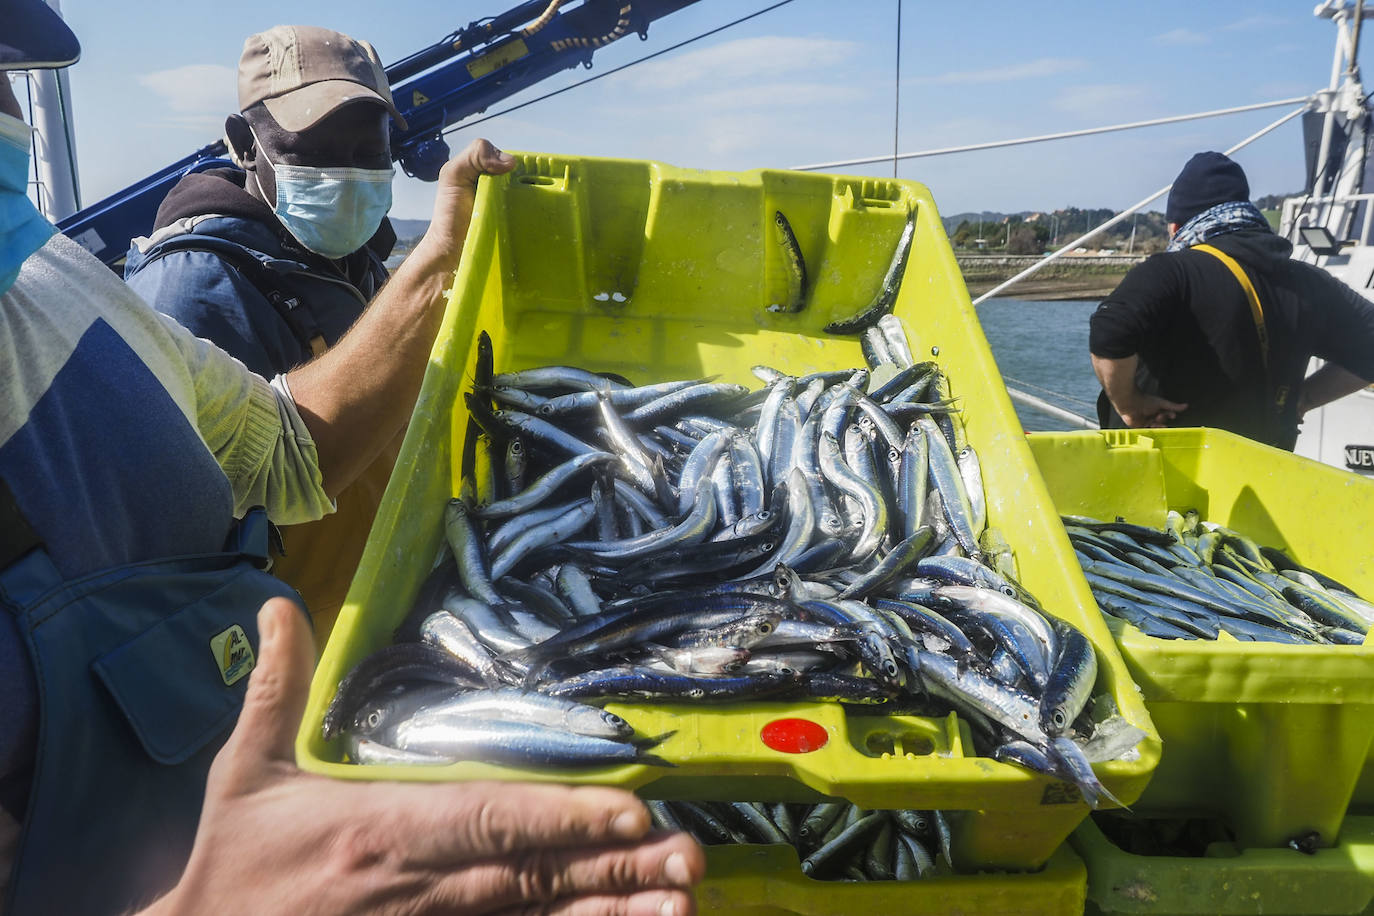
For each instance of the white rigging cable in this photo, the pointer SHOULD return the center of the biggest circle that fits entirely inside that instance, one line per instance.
(1123, 214)
(1064, 135)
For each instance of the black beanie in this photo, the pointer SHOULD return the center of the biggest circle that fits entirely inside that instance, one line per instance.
(1207, 180)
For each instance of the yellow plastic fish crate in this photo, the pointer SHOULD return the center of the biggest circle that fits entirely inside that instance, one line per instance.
(659, 273)
(767, 881)
(1271, 737)
(1230, 882)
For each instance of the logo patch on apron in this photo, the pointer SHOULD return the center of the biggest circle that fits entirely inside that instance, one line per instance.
(233, 654)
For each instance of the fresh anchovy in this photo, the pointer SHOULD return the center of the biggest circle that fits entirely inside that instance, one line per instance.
(1071, 681)
(557, 377)
(636, 463)
(463, 540)
(686, 400)
(874, 507)
(486, 624)
(972, 473)
(543, 601)
(399, 664)
(691, 530)
(649, 620)
(620, 398)
(555, 531)
(646, 683)
(702, 659)
(944, 473)
(517, 397)
(538, 431)
(874, 346)
(966, 687)
(795, 266)
(445, 630)
(887, 294)
(513, 705)
(516, 743)
(852, 836)
(515, 466)
(897, 343)
(904, 554)
(574, 586)
(367, 752)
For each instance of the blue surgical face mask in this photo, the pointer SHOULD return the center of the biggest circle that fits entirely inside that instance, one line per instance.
(331, 211)
(23, 230)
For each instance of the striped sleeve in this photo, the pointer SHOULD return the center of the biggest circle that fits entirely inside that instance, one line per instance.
(255, 433)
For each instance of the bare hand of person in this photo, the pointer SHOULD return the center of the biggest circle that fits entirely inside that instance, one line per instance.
(456, 193)
(1148, 410)
(273, 839)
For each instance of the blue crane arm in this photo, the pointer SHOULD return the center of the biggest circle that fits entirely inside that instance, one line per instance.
(434, 89)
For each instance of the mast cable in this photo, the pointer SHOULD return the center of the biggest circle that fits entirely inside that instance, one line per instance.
(897, 92)
(1059, 136)
(592, 79)
(1070, 246)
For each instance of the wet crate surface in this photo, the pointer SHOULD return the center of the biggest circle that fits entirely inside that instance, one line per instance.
(1285, 882)
(767, 881)
(1272, 737)
(656, 273)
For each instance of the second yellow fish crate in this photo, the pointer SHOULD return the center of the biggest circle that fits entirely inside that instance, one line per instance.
(1269, 737)
(657, 273)
(766, 881)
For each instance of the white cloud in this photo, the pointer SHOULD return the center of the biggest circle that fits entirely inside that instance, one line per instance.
(1032, 69)
(736, 61)
(777, 95)
(1182, 37)
(1102, 101)
(1260, 21)
(197, 96)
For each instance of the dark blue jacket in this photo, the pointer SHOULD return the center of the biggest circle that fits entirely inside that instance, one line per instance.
(206, 292)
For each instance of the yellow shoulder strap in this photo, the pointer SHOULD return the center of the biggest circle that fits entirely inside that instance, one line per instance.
(1256, 310)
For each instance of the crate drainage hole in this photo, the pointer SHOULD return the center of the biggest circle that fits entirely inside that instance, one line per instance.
(881, 744)
(536, 179)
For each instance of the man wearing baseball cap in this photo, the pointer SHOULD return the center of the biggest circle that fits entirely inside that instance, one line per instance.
(128, 446)
(1219, 330)
(311, 196)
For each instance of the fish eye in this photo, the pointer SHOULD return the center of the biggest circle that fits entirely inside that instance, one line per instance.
(1059, 719)
(890, 668)
(374, 718)
(613, 718)
(763, 514)
(767, 546)
(1009, 591)
(765, 628)
(516, 447)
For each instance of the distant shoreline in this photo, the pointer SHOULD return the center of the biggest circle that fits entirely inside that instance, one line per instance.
(1080, 278)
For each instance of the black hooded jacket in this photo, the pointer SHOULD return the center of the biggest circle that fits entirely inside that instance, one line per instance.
(1190, 322)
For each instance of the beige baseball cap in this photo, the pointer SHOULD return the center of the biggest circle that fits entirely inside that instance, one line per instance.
(303, 73)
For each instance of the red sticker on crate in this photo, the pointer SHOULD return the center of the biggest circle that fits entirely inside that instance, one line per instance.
(794, 736)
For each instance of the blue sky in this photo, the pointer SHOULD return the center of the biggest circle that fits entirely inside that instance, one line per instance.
(810, 82)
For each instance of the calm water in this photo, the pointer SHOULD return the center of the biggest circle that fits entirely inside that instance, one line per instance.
(1042, 349)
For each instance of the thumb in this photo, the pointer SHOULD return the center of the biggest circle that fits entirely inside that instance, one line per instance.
(277, 688)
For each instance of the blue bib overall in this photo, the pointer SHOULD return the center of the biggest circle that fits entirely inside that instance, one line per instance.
(141, 670)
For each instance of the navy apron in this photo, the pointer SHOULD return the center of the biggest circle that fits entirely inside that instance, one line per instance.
(140, 670)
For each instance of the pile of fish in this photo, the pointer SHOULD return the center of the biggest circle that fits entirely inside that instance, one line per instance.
(823, 537)
(834, 840)
(1196, 579)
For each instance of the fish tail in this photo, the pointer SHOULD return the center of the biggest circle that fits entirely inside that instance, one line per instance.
(654, 760)
(645, 743)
